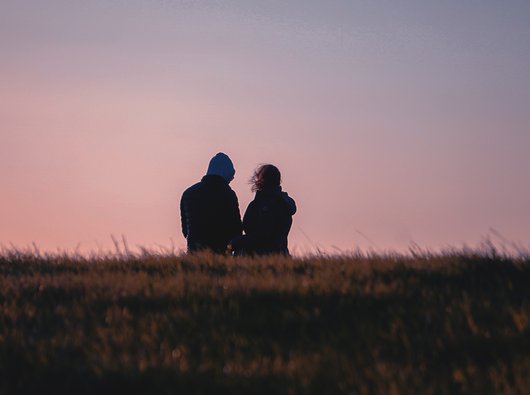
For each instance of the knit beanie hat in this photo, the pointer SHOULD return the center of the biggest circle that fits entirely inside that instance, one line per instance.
(221, 165)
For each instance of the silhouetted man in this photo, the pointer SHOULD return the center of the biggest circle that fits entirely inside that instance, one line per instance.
(209, 210)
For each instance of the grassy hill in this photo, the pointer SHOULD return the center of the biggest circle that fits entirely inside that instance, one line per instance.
(457, 323)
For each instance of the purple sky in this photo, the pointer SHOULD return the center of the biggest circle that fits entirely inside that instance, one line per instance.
(392, 121)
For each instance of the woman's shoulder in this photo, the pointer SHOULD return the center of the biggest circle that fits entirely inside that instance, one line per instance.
(289, 202)
(282, 200)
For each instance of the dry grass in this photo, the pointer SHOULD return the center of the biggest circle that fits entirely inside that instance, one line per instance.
(452, 323)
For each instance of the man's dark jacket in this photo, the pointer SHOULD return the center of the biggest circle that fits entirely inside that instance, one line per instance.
(267, 222)
(210, 215)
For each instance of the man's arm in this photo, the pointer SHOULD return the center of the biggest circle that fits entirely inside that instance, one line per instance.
(235, 216)
(183, 217)
(249, 219)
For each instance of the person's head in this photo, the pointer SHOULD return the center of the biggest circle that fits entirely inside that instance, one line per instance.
(221, 165)
(265, 177)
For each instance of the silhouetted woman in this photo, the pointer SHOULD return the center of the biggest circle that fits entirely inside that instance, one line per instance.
(268, 218)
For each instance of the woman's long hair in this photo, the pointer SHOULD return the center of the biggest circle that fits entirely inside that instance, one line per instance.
(265, 177)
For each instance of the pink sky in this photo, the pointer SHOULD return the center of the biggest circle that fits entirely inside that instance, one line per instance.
(391, 122)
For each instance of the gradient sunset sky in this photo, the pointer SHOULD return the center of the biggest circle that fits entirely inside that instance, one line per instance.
(392, 121)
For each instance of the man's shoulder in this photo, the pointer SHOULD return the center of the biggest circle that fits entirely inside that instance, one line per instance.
(192, 189)
(208, 188)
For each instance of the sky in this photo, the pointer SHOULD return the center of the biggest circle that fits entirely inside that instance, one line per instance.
(394, 123)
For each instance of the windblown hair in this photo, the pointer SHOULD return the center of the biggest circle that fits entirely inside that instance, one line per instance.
(265, 177)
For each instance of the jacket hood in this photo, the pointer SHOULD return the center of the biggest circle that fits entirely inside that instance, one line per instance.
(221, 165)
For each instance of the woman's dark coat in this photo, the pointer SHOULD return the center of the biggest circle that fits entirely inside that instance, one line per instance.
(267, 222)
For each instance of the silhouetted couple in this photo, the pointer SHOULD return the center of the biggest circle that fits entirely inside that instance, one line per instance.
(211, 219)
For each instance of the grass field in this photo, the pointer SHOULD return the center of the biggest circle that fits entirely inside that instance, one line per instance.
(454, 323)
